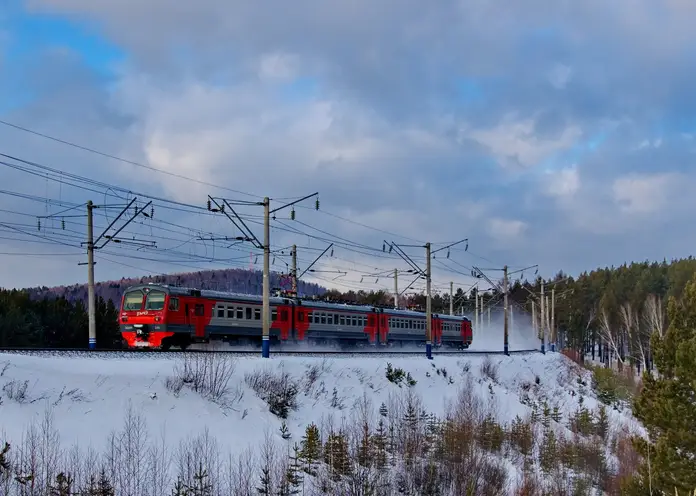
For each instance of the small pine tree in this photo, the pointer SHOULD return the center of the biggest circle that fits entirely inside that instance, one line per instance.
(383, 410)
(264, 486)
(310, 448)
(284, 432)
(379, 443)
(62, 486)
(556, 414)
(104, 487)
(201, 486)
(602, 423)
(180, 488)
(548, 452)
(4, 461)
(365, 447)
(336, 455)
(293, 474)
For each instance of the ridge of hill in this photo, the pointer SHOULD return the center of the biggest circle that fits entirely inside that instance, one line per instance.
(233, 280)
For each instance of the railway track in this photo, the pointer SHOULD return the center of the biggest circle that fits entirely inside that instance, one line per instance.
(161, 353)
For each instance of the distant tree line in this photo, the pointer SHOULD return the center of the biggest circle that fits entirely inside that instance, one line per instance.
(54, 322)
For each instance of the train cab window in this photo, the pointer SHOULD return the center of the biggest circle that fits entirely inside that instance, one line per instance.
(199, 310)
(133, 300)
(174, 304)
(257, 314)
(221, 312)
(248, 313)
(155, 300)
(230, 312)
(274, 315)
(240, 313)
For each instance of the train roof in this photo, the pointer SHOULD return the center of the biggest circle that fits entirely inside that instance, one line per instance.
(337, 306)
(207, 293)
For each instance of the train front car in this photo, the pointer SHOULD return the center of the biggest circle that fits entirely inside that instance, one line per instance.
(143, 316)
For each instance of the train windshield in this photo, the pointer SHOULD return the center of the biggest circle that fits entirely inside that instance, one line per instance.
(155, 300)
(133, 300)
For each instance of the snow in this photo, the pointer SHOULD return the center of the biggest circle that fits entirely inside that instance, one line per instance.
(90, 394)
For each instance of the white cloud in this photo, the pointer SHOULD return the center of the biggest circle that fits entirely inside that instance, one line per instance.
(644, 193)
(506, 230)
(515, 142)
(563, 183)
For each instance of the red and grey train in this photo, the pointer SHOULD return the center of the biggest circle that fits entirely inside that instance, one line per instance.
(160, 316)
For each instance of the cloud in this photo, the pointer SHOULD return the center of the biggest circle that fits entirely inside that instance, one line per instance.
(530, 129)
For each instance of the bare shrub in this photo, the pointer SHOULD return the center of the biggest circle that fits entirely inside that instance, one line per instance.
(279, 390)
(16, 391)
(198, 464)
(489, 369)
(174, 384)
(208, 374)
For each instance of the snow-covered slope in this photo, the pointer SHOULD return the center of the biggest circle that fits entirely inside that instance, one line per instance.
(89, 396)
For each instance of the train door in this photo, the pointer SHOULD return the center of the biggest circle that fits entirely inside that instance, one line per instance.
(195, 317)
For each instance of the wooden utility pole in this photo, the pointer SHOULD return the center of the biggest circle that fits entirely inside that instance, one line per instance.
(451, 298)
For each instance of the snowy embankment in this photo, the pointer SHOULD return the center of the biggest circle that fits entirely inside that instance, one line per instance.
(89, 397)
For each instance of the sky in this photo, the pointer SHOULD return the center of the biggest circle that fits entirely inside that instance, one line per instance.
(560, 134)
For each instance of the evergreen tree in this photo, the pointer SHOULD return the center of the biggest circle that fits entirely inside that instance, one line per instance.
(284, 432)
(602, 423)
(548, 451)
(379, 443)
(666, 403)
(63, 485)
(264, 486)
(293, 475)
(365, 457)
(201, 486)
(180, 488)
(4, 461)
(104, 487)
(383, 410)
(311, 447)
(336, 455)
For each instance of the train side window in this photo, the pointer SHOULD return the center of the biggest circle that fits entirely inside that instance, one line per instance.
(257, 314)
(274, 315)
(248, 313)
(221, 312)
(343, 320)
(300, 317)
(174, 304)
(310, 317)
(230, 312)
(335, 319)
(240, 313)
(354, 321)
(199, 310)
(323, 318)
